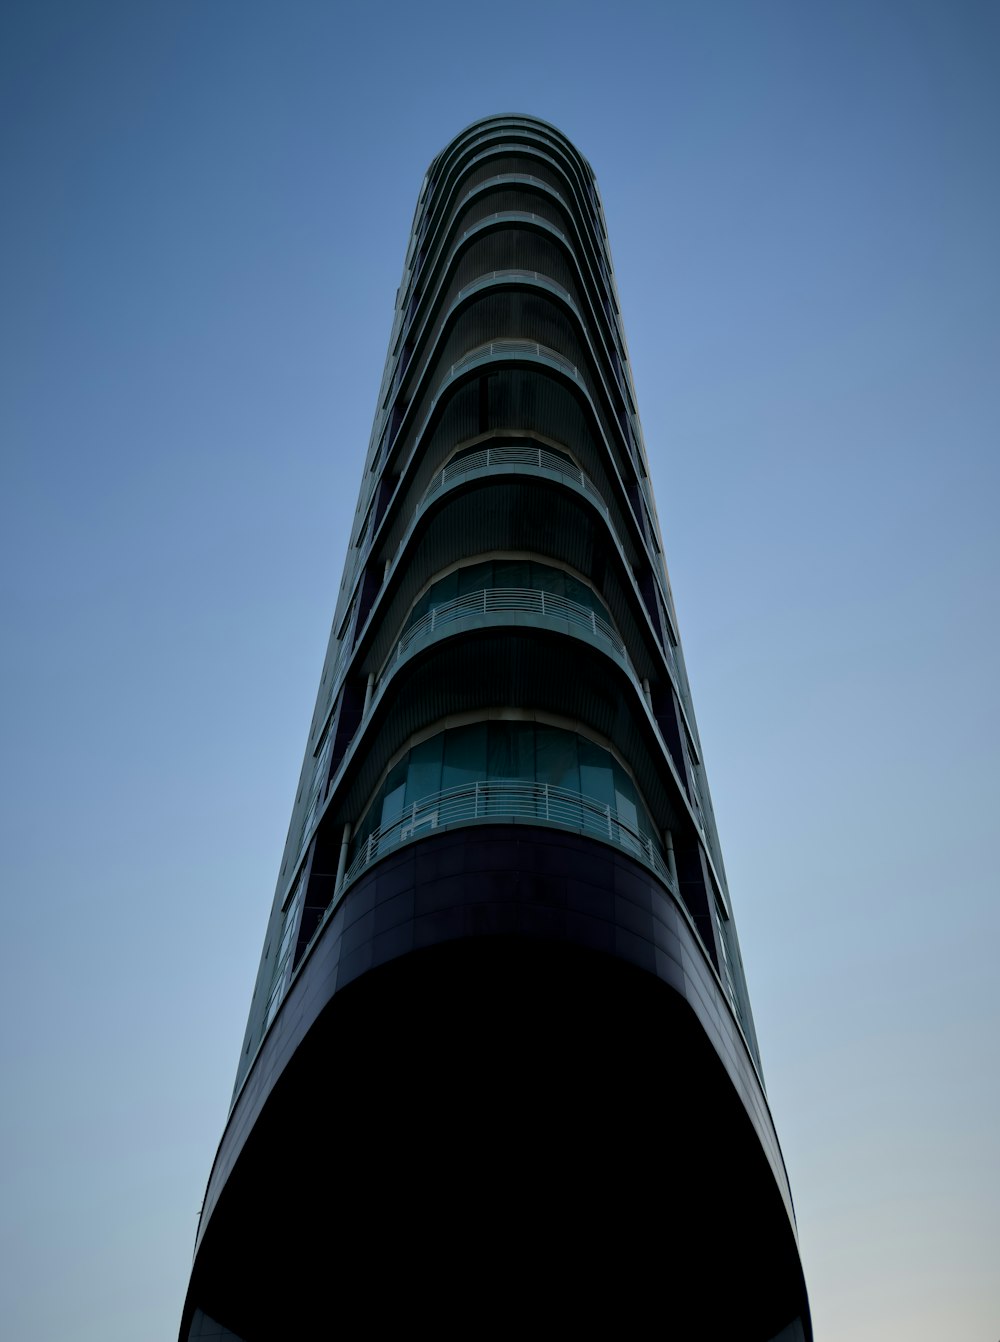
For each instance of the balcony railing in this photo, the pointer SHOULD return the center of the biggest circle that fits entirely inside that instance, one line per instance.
(507, 178)
(536, 276)
(506, 600)
(512, 347)
(504, 799)
(491, 457)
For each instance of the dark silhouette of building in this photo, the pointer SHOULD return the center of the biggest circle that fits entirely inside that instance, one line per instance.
(500, 1068)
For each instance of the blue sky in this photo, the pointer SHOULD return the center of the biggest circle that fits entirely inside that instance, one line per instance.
(205, 212)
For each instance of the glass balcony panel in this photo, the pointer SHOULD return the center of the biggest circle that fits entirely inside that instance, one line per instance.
(474, 577)
(499, 580)
(392, 805)
(518, 769)
(557, 758)
(424, 770)
(464, 751)
(509, 573)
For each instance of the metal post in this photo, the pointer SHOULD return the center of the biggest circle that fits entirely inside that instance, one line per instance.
(647, 692)
(342, 860)
(368, 692)
(668, 844)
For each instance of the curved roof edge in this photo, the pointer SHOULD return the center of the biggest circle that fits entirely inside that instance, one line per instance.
(502, 118)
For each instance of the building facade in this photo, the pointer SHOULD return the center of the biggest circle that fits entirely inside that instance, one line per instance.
(500, 1054)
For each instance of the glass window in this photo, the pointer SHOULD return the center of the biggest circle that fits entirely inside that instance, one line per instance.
(581, 594)
(421, 608)
(523, 750)
(499, 763)
(557, 761)
(391, 797)
(474, 578)
(464, 755)
(545, 579)
(509, 573)
(498, 756)
(424, 770)
(596, 779)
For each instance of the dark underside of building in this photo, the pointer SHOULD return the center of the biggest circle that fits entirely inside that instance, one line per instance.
(506, 1111)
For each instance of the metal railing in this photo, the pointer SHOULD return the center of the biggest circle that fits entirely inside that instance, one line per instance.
(536, 276)
(484, 459)
(514, 216)
(504, 799)
(512, 346)
(506, 178)
(489, 457)
(504, 600)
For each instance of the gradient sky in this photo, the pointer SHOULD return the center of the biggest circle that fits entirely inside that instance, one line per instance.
(205, 210)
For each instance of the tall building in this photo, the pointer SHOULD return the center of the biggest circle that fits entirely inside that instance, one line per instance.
(500, 1067)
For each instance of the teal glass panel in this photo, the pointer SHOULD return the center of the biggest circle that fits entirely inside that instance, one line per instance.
(445, 589)
(523, 750)
(546, 579)
(580, 593)
(499, 759)
(421, 608)
(628, 813)
(558, 765)
(557, 758)
(423, 775)
(509, 573)
(392, 805)
(464, 755)
(596, 778)
(474, 578)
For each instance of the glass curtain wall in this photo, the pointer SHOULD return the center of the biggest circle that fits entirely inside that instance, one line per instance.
(495, 769)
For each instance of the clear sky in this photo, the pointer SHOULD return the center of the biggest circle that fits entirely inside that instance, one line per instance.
(205, 209)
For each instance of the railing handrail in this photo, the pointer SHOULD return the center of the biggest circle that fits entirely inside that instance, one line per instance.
(503, 798)
(511, 345)
(497, 600)
(514, 456)
(512, 273)
(524, 456)
(481, 187)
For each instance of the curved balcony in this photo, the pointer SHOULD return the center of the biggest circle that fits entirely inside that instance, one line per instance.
(510, 347)
(464, 681)
(445, 319)
(535, 276)
(507, 601)
(511, 462)
(527, 145)
(502, 458)
(502, 799)
(443, 259)
(599, 383)
(511, 217)
(441, 262)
